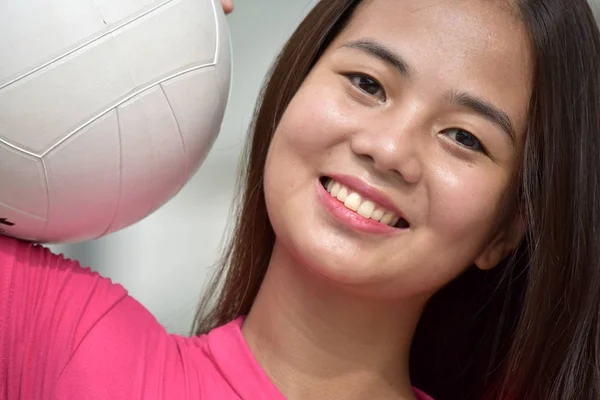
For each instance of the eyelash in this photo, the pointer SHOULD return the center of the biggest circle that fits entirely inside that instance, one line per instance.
(352, 76)
(479, 148)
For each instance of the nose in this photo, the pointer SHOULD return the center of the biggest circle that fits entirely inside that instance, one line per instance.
(390, 150)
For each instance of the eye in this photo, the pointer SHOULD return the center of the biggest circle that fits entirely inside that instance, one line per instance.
(465, 139)
(368, 85)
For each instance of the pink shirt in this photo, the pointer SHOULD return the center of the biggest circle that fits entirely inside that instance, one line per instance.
(68, 333)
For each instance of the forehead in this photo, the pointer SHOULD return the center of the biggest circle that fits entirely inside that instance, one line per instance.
(481, 46)
(472, 25)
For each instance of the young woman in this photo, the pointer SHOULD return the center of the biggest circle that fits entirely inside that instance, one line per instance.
(419, 208)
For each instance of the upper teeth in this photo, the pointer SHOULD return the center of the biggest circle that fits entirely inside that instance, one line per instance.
(363, 207)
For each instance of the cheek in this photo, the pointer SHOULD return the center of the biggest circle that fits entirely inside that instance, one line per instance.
(292, 156)
(317, 118)
(464, 203)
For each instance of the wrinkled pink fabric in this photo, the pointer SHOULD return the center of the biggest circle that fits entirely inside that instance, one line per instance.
(68, 333)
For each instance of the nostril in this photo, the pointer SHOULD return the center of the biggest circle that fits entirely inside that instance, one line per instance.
(367, 158)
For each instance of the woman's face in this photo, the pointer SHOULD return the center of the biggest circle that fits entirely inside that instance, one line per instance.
(391, 165)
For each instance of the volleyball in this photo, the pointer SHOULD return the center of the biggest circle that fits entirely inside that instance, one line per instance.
(107, 109)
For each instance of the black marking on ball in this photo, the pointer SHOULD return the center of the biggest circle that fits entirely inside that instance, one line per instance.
(4, 221)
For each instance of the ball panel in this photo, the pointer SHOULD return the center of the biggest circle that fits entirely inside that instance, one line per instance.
(129, 103)
(36, 112)
(84, 181)
(33, 32)
(177, 36)
(198, 103)
(153, 173)
(22, 225)
(115, 11)
(223, 68)
(22, 182)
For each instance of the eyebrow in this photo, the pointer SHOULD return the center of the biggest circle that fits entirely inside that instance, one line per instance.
(462, 99)
(381, 52)
(486, 110)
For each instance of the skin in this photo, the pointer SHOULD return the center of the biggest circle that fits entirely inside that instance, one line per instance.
(335, 315)
(227, 6)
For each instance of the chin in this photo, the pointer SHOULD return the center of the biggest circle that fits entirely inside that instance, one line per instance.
(340, 264)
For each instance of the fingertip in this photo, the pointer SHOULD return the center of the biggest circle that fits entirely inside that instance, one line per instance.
(227, 6)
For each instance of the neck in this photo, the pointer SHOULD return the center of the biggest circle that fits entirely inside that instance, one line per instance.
(316, 340)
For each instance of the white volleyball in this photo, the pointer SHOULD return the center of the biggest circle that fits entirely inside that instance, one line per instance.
(107, 108)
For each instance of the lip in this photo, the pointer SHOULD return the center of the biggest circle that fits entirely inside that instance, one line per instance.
(348, 217)
(367, 192)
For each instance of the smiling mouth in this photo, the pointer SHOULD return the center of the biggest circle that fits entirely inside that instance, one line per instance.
(362, 206)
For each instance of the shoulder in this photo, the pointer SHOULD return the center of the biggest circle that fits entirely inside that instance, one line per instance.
(48, 306)
(8, 249)
(56, 289)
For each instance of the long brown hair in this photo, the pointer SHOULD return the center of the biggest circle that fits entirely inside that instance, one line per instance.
(528, 329)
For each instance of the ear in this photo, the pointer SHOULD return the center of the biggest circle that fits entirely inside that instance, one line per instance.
(504, 243)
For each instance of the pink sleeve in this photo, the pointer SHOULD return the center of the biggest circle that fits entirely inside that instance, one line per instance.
(47, 307)
(50, 310)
